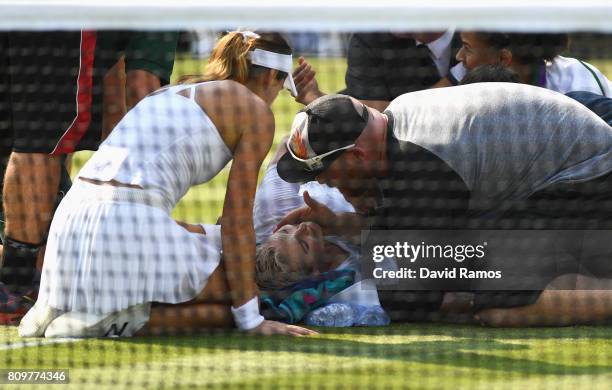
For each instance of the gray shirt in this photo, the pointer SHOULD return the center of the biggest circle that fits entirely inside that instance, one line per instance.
(505, 141)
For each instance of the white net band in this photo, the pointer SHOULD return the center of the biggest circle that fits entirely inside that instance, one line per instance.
(342, 15)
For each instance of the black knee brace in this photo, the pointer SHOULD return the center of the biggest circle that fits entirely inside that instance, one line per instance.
(18, 263)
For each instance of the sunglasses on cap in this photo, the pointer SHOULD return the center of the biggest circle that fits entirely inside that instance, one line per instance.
(316, 162)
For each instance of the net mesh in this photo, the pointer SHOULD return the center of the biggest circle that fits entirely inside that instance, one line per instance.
(458, 221)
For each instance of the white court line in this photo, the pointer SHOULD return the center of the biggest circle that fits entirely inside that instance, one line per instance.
(41, 343)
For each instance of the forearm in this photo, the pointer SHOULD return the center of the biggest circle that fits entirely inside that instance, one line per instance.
(239, 260)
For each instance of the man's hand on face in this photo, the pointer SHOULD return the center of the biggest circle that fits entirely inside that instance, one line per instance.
(312, 212)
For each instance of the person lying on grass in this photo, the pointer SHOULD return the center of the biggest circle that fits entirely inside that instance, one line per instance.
(298, 269)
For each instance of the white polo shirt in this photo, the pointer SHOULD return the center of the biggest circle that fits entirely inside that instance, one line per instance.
(565, 75)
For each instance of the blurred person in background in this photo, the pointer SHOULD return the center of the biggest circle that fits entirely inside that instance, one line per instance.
(382, 66)
(536, 58)
(64, 91)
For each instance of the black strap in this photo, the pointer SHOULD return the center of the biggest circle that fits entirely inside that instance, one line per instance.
(594, 76)
(18, 263)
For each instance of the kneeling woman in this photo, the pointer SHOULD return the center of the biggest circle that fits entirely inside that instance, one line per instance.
(113, 248)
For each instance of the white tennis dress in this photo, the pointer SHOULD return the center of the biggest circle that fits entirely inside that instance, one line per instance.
(111, 247)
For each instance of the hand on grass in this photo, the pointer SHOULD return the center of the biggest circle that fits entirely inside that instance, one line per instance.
(269, 328)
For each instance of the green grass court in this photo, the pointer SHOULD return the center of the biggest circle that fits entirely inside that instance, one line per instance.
(415, 356)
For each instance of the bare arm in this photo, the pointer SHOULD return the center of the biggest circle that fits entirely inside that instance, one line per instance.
(237, 232)
(306, 83)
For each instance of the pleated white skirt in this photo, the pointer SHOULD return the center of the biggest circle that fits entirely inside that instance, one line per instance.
(113, 247)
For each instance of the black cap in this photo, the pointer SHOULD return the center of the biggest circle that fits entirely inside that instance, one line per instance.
(328, 123)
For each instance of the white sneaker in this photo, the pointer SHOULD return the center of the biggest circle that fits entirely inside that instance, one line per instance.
(122, 323)
(37, 319)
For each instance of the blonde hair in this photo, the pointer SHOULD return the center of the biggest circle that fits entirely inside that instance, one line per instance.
(272, 268)
(229, 59)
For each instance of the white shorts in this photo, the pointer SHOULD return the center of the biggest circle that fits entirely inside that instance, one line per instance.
(113, 247)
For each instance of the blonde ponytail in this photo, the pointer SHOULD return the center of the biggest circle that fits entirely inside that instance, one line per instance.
(229, 59)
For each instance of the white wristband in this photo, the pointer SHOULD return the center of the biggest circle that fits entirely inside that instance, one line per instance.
(247, 316)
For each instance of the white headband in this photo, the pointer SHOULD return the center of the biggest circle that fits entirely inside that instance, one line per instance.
(272, 60)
